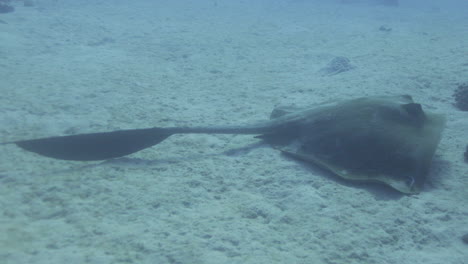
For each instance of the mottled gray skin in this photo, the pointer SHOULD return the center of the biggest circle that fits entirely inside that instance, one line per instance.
(387, 139)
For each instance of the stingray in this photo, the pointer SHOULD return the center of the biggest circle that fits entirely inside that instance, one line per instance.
(386, 139)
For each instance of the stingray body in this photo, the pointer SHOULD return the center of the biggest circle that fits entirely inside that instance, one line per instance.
(388, 139)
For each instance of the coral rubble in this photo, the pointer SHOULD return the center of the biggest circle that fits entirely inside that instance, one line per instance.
(461, 97)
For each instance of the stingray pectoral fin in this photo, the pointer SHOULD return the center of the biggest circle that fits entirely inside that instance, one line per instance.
(95, 146)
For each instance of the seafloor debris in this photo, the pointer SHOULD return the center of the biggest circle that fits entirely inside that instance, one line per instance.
(461, 97)
(465, 238)
(385, 28)
(466, 159)
(337, 65)
(5, 6)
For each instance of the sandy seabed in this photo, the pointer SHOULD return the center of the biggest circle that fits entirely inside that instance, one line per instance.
(71, 67)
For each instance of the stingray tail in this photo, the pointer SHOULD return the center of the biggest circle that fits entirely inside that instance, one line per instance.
(114, 144)
(95, 146)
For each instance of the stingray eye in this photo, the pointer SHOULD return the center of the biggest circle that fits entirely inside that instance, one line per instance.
(415, 113)
(411, 114)
(414, 110)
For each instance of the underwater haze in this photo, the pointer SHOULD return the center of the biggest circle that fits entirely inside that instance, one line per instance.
(79, 66)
